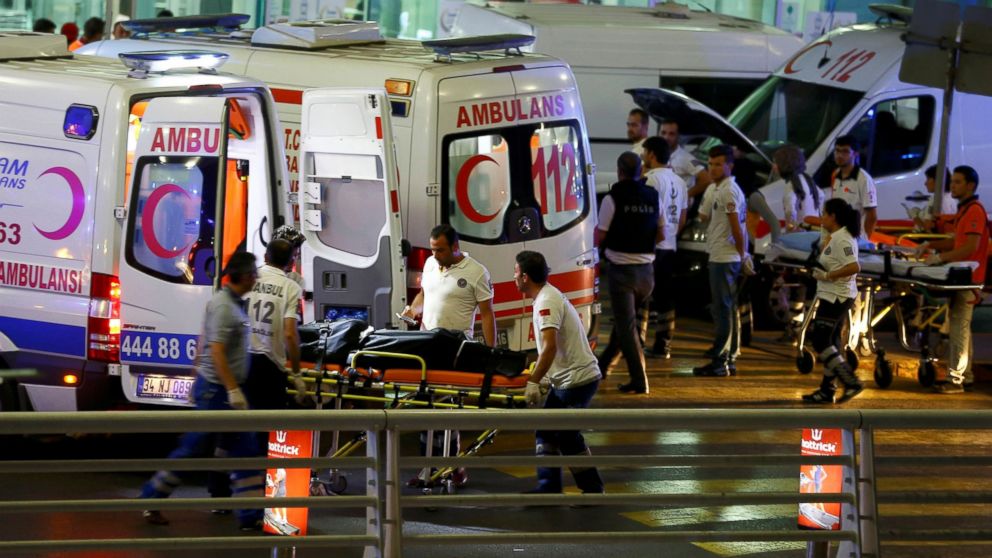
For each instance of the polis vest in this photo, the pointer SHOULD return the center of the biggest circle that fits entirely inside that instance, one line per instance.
(635, 218)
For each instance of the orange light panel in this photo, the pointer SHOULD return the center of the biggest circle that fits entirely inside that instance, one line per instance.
(70, 379)
(399, 87)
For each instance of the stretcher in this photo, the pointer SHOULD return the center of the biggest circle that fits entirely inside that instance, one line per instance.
(414, 388)
(884, 269)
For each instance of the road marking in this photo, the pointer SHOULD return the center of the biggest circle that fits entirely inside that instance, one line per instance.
(749, 548)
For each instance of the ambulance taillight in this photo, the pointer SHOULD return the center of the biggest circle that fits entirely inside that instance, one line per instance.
(104, 323)
(415, 271)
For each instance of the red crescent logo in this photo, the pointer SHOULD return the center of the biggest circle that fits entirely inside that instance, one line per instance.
(461, 189)
(148, 221)
(788, 67)
(78, 204)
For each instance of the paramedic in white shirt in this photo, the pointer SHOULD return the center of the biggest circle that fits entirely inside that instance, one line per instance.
(723, 210)
(454, 287)
(836, 290)
(853, 184)
(638, 123)
(272, 307)
(801, 197)
(691, 171)
(565, 364)
(673, 201)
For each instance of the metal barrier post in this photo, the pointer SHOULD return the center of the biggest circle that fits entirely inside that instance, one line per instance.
(817, 549)
(867, 505)
(393, 532)
(849, 512)
(376, 487)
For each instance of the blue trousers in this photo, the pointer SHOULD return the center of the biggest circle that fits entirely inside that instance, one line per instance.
(212, 397)
(723, 291)
(567, 442)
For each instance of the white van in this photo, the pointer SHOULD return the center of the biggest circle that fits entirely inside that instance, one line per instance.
(486, 139)
(122, 193)
(846, 82)
(714, 58)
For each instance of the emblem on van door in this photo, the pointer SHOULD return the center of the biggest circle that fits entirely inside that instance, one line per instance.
(78, 204)
(525, 225)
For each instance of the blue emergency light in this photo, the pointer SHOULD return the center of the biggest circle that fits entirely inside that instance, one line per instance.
(161, 61)
(80, 122)
(228, 22)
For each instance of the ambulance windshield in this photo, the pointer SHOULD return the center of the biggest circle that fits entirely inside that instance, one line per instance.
(788, 111)
(513, 184)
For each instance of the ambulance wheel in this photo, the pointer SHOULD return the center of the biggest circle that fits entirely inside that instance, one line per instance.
(883, 373)
(926, 373)
(852, 358)
(338, 483)
(805, 361)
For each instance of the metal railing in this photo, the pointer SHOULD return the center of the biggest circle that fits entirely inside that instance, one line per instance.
(384, 500)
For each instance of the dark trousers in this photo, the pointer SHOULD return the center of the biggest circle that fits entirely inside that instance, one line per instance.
(726, 318)
(630, 287)
(825, 338)
(663, 299)
(567, 442)
(212, 397)
(265, 388)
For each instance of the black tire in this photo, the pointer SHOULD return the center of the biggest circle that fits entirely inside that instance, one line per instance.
(805, 361)
(926, 373)
(852, 358)
(883, 372)
(338, 484)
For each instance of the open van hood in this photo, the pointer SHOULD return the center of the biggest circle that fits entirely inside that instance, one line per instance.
(694, 118)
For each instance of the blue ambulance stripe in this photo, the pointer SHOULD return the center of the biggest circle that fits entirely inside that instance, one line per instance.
(33, 335)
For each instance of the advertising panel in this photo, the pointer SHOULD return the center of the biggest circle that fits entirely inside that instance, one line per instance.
(282, 482)
(818, 479)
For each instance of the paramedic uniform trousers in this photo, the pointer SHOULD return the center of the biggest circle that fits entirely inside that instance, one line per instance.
(723, 292)
(663, 299)
(212, 397)
(959, 361)
(567, 442)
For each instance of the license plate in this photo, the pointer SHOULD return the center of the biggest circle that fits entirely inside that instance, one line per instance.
(164, 387)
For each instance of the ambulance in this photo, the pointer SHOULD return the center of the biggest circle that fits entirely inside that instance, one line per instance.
(124, 189)
(846, 82)
(714, 58)
(479, 135)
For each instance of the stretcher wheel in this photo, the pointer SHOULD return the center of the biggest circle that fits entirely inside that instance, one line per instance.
(805, 361)
(338, 483)
(883, 372)
(852, 358)
(926, 373)
(450, 487)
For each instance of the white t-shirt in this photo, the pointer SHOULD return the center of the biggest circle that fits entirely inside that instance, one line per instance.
(606, 211)
(720, 200)
(673, 199)
(857, 190)
(574, 364)
(274, 298)
(948, 205)
(841, 250)
(795, 210)
(638, 146)
(685, 166)
(452, 296)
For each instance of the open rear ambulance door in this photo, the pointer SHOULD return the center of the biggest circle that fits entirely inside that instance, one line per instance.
(174, 243)
(354, 258)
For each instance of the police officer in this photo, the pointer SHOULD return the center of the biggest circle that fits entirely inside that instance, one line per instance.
(970, 244)
(566, 363)
(674, 202)
(629, 227)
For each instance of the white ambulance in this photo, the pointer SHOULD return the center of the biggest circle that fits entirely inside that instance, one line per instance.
(123, 190)
(848, 82)
(479, 136)
(714, 58)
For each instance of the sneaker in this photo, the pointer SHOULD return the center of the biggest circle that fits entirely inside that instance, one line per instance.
(711, 370)
(732, 368)
(632, 389)
(948, 388)
(851, 391)
(154, 517)
(821, 396)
